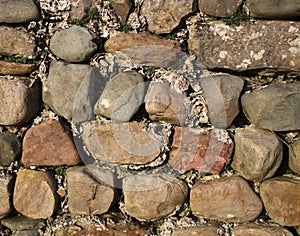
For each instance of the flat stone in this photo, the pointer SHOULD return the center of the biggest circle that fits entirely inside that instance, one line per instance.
(35, 194)
(121, 143)
(199, 149)
(75, 44)
(31, 232)
(261, 230)
(12, 68)
(258, 153)
(22, 223)
(81, 8)
(222, 92)
(17, 42)
(266, 107)
(49, 144)
(10, 148)
(122, 96)
(165, 15)
(196, 231)
(280, 196)
(6, 185)
(294, 157)
(219, 8)
(85, 195)
(264, 44)
(228, 199)
(18, 11)
(20, 101)
(122, 7)
(269, 9)
(154, 196)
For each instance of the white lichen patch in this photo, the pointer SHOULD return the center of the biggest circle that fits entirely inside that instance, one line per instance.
(244, 65)
(222, 136)
(255, 35)
(223, 54)
(223, 30)
(293, 30)
(257, 56)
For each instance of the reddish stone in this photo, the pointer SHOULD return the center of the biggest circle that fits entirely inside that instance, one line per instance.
(199, 149)
(49, 144)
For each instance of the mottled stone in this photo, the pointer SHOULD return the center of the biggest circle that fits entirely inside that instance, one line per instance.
(259, 45)
(35, 194)
(261, 230)
(10, 148)
(18, 11)
(85, 195)
(275, 107)
(5, 196)
(81, 8)
(165, 15)
(151, 197)
(121, 143)
(12, 68)
(20, 101)
(22, 223)
(258, 153)
(17, 42)
(49, 144)
(196, 231)
(75, 44)
(281, 199)
(202, 150)
(226, 199)
(294, 157)
(31, 232)
(122, 7)
(219, 8)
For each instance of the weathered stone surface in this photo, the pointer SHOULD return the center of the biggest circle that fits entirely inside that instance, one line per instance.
(265, 44)
(197, 231)
(17, 42)
(280, 196)
(34, 194)
(255, 229)
(5, 196)
(150, 197)
(219, 8)
(75, 44)
(258, 153)
(49, 144)
(72, 90)
(12, 68)
(122, 7)
(221, 93)
(18, 11)
(270, 9)
(81, 8)
(121, 143)
(122, 96)
(86, 196)
(294, 157)
(164, 15)
(19, 100)
(10, 148)
(22, 223)
(31, 232)
(203, 150)
(227, 199)
(275, 107)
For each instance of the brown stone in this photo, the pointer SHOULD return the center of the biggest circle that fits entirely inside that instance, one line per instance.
(196, 231)
(226, 199)
(22, 223)
(261, 230)
(49, 144)
(80, 9)
(202, 150)
(12, 68)
(219, 8)
(35, 194)
(5, 196)
(281, 199)
(122, 7)
(294, 157)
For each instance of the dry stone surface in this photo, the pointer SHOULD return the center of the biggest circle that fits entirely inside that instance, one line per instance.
(12, 68)
(81, 8)
(256, 229)
(30, 232)
(294, 157)
(22, 223)
(219, 8)
(10, 148)
(122, 7)
(197, 231)
(6, 185)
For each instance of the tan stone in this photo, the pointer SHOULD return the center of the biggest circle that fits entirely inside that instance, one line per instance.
(6, 184)
(122, 7)
(12, 68)
(81, 8)
(294, 157)
(219, 8)
(196, 231)
(261, 230)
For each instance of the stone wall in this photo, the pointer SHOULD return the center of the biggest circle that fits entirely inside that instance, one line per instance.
(150, 117)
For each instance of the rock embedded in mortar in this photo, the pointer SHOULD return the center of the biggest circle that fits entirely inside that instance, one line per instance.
(22, 223)
(294, 156)
(196, 231)
(13, 68)
(122, 8)
(81, 8)
(10, 148)
(261, 230)
(219, 8)
(6, 185)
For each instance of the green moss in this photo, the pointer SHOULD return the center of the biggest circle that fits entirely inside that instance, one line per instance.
(124, 27)
(22, 60)
(94, 15)
(60, 170)
(235, 19)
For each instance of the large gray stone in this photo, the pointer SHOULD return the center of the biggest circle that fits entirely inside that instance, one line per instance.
(275, 107)
(6, 184)
(10, 148)
(219, 8)
(294, 156)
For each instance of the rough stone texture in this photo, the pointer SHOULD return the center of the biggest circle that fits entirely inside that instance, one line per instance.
(49, 144)
(154, 196)
(10, 148)
(12, 68)
(31, 232)
(122, 7)
(86, 196)
(18, 11)
(22, 223)
(227, 199)
(72, 90)
(258, 153)
(164, 15)
(202, 150)
(121, 143)
(75, 44)
(275, 107)
(80, 9)
(255, 229)
(196, 231)
(264, 44)
(280, 196)
(221, 93)
(35, 194)
(294, 157)
(122, 96)
(19, 100)
(17, 42)
(5, 196)
(219, 8)
(270, 9)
